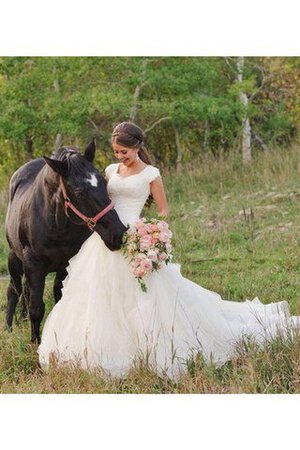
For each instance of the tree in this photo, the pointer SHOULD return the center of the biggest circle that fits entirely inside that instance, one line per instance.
(246, 133)
(185, 105)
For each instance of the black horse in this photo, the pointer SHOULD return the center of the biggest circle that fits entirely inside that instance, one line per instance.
(51, 200)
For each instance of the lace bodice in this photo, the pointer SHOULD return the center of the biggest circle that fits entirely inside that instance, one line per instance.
(130, 193)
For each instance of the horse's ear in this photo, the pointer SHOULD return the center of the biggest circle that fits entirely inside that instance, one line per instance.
(60, 167)
(90, 151)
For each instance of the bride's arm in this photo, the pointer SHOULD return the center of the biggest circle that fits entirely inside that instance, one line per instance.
(158, 193)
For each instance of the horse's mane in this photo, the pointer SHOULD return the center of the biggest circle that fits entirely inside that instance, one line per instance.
(64, 152)
(76, 161)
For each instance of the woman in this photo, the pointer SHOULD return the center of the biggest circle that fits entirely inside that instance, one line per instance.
(104, 320)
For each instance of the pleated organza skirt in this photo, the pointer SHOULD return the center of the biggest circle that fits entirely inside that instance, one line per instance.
(105, 321)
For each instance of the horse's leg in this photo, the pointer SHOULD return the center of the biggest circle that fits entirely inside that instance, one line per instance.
(25, 299)
(14, 290)
(36, 284)
(60, 276)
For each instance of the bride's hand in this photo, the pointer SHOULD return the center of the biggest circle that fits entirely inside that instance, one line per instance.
(163, 214)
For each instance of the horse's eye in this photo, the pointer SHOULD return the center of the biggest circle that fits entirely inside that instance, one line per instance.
(78, 191)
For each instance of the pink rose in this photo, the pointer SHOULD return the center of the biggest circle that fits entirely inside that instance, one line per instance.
(146, 242)
(139, 272)
(142, 231)
(154, 240)
(146, 264)
(162, 225)
(153, 227)
(140, 256)
(146, 226)
(162, 256)
(152, 255)
(164, 236)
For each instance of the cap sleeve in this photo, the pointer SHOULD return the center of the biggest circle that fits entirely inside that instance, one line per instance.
(153, 173)
(109, 170)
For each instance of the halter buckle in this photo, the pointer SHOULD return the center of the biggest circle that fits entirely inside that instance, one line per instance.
(90, 223)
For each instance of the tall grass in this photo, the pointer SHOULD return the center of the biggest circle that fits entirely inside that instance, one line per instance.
(236, 231)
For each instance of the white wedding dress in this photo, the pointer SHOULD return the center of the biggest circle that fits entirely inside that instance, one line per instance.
(104, 320)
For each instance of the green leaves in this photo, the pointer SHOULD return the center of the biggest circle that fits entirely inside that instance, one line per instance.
(82, 97)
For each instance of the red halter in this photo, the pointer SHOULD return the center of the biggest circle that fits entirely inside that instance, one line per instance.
(90, 221)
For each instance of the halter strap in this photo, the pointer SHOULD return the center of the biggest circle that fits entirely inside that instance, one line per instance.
(90, 221)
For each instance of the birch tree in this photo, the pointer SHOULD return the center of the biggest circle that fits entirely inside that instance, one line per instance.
(137, 92)
(246, 132)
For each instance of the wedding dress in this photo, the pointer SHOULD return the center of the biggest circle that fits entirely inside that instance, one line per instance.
(104, 320)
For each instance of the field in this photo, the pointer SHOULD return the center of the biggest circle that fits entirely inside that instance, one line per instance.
(236, 232)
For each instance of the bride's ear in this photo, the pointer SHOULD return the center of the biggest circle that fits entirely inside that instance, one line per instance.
(60, 167)
(90, 151)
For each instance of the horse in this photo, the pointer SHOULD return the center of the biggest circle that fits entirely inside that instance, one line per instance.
(51, 212)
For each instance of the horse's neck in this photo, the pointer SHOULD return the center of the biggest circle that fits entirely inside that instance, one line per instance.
(49, 186)
(49, 183)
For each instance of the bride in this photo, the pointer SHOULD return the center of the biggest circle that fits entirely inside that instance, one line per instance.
(105, 321)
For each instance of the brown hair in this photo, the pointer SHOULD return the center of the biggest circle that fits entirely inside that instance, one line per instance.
(131, 136)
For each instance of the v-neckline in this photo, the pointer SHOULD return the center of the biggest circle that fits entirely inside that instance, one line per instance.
(128, 176)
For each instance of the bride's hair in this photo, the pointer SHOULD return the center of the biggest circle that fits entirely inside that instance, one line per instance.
(131, 136)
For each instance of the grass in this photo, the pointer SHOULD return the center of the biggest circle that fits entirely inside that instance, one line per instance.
(3, 242)
(236, 232)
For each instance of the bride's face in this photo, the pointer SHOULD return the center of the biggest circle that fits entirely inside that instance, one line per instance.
(125, 155)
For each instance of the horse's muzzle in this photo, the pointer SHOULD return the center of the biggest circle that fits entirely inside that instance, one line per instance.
(111, 241)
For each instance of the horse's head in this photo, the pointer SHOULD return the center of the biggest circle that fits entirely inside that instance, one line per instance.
(86, 189)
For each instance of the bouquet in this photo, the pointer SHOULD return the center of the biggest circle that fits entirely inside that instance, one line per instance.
(148, 246)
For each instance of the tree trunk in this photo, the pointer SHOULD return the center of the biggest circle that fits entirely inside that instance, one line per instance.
(137, 92)
(259, 141)
(178, 151)
(246, 133)
(58, 141)
(157, 122)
